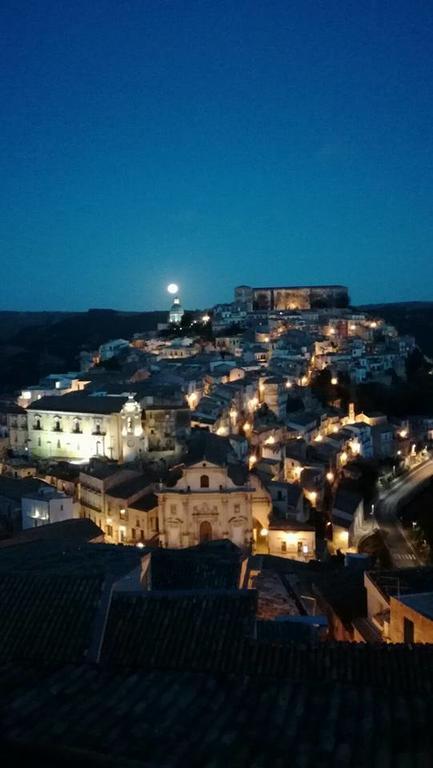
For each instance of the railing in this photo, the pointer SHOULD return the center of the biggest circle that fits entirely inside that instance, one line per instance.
(91, 506)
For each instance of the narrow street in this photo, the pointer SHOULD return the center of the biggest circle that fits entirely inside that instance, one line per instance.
(401, 550)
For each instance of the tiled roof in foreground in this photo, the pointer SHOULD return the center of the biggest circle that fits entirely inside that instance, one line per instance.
(179, 630)
(47, 618)
(173, 720)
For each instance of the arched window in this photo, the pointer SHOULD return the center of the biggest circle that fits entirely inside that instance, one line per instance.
(204, 481)
(37, 424)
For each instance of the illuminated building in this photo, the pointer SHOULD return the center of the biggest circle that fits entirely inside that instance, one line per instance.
(292, 297)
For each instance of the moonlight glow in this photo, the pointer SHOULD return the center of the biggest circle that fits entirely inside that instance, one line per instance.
(172, 288)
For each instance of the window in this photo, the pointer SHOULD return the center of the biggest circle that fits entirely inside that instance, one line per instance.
(37, 424)
(204, 481)
(237, 509)
(137, 523)
(39, 442)
(133, 534)
(61, 507)
(58, 443)
(279, 496)
(408, 633)
(57, 425)
(172, 509)
(283, 546)
(109, 530)
(141, 535)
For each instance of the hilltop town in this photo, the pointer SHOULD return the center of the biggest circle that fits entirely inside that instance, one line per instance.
(211, 497)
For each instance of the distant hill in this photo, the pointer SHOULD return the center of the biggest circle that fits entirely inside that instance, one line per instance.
(33, 344)
(412, 317)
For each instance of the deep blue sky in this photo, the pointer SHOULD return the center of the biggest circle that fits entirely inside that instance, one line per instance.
(214, 142)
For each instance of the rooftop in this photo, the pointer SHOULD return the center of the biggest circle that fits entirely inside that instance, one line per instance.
(422, 603)
(79, 403)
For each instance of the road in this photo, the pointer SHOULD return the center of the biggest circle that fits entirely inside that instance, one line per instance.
(402, 552)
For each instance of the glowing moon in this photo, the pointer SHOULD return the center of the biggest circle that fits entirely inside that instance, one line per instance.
(172, 288)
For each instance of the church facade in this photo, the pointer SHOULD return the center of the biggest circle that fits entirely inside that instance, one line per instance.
(211, 501)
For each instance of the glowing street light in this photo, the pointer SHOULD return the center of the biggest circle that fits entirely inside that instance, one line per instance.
(330, 477)
(205, 318)
(172, 288)
(334, 381)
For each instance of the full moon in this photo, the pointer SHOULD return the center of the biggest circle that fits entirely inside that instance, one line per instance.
(172, 288)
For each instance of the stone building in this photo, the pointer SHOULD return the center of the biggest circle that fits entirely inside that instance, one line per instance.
(80, 426)
(285, 298)
(215, 498)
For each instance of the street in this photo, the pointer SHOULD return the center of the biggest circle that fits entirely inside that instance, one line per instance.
(401, 550)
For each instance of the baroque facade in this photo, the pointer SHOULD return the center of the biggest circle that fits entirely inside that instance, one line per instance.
(211, 501)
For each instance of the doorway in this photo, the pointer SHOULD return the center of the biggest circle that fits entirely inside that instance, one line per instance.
(205, 533)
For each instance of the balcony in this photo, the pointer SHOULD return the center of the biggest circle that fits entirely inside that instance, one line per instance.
(97, 432)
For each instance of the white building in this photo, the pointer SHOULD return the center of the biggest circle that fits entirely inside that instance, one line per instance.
(80, 426)
(176, 312)
(47, 505)
(112, 348)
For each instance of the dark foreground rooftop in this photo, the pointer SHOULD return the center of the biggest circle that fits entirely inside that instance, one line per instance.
(178, 719)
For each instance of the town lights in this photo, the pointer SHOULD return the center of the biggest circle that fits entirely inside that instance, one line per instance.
(330, 477)
(233, 414)
(252, 460)
(264, 532)
(403, 433)
(318, 438)
(246, 427)
(288, 384)
(205, 319)
(270, 440)
(334, 381)
(192, 399)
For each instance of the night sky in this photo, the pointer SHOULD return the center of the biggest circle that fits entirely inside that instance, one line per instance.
(214, 142)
